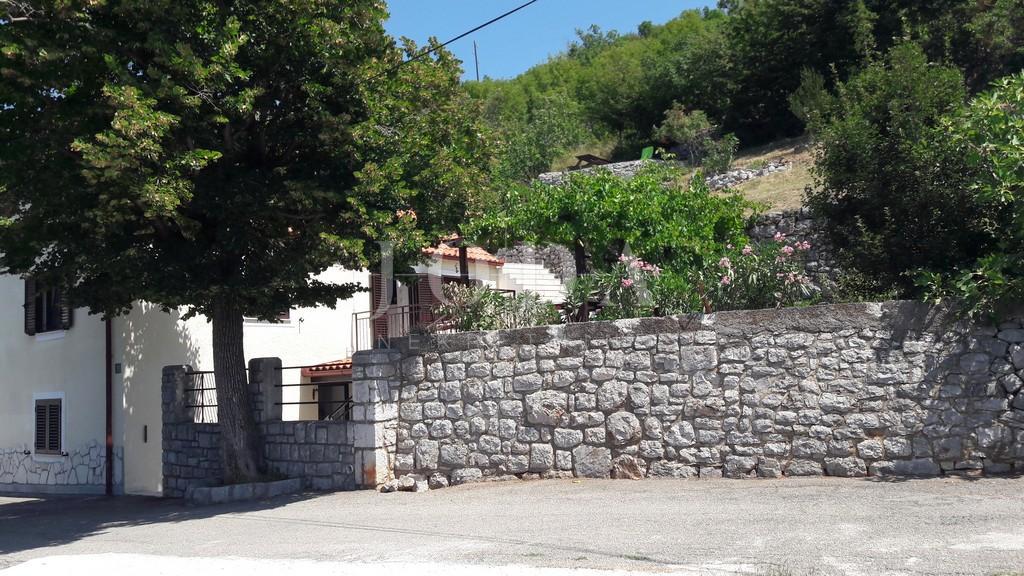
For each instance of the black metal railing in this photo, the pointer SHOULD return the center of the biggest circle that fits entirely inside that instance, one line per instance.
(335, 405)
(201, 395)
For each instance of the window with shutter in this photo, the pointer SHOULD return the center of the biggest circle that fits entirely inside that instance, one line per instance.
(283, 317)
(46, 309)
(30, 306)
(48, 426)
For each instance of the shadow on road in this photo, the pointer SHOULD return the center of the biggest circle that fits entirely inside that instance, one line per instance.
(31, 522)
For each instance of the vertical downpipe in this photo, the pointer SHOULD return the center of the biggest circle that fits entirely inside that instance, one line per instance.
(109, 357)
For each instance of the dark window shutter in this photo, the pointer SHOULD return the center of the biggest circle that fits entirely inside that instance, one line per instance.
(426, 299)
(67, 313)
(30, 306)
(41, 410)
(48, 426)
(53, 427)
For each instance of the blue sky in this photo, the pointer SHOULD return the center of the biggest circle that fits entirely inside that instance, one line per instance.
(528, 37)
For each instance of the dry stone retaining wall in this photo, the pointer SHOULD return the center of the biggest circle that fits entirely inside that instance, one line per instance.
(845, 390)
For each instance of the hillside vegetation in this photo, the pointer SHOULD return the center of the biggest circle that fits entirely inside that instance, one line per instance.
(740, 64)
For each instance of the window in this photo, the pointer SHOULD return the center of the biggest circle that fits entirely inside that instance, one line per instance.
(46, 309)
(282, 318)
(48, 426)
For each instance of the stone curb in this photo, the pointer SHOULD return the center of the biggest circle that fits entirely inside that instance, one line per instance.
(208, 495)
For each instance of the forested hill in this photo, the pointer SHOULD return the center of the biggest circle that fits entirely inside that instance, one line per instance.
(739, 63)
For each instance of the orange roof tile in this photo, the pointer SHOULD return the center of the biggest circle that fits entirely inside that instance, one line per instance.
(473, 253)
(334, 368)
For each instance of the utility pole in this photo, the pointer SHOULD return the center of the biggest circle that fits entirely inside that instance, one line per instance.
(476, 58)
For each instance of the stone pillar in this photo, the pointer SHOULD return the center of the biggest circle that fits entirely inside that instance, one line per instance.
(375, 387)
(265, 381)
(174, 398)
(175, 414)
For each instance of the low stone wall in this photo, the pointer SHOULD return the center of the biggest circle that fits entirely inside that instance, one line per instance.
(82, 471)
(319, 453)
(738, 176)
(845, 390)
(325, 455)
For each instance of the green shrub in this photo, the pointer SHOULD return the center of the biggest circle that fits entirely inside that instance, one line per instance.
(699, 138)
(764, 275)
(674, 294)
(583, 296)
(597, 214)
(989, 135)
(627, 289)
(474, 308)
(891, 184)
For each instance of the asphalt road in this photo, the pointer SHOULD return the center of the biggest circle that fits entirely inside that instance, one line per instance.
(778, 527)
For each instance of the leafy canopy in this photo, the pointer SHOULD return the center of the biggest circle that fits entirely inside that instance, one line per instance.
(600, 213)
(193, 152)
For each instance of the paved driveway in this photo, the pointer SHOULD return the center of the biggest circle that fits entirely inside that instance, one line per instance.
(792, 526)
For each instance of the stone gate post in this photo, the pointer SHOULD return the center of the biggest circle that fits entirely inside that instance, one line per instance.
(375, 388)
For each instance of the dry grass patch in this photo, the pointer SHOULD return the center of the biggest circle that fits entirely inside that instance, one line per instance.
(782, 190)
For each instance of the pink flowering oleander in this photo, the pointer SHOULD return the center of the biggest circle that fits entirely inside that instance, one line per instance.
(787, 250)
(725, 281)
(623, 258)
(729, 246)
(803, 246)
(748, 250)
(626, 282)
(780, 237)
(725, 262)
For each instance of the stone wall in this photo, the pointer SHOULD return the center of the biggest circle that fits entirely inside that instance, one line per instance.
(846, 390)
(558, 259)
(323, 454)
(801, 226)
(629, 169)
(83, 470)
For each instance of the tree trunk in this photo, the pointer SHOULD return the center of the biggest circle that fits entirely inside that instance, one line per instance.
(241, 444)
(579, 253)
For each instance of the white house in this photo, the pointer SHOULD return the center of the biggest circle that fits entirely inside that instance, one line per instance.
(80, 397)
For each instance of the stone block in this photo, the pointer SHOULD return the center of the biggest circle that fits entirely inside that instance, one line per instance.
(611, 395)
(738, 466)
(567, 438)
(542, 457)
(845, 467)
(803, 468)
(624, 428)
(466, 475)
(592, 461)
(680, 434)
(548, 408)
(667, 469)
(426, 454)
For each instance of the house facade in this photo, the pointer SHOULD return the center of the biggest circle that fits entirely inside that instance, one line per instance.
(80, 405)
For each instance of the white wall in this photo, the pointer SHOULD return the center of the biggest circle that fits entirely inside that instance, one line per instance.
(69, 363)
(489, 274)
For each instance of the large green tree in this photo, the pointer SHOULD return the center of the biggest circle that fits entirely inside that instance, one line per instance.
(219, 155)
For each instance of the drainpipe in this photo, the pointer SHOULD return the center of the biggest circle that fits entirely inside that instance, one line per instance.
(109, 357)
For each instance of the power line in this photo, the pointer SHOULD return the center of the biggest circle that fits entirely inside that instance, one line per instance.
(459, 37)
